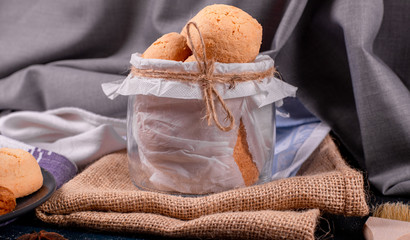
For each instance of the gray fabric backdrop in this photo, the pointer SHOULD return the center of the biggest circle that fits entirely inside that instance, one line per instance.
(350, 60)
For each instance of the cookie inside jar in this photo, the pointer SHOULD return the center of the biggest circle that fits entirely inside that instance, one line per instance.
(177, 152)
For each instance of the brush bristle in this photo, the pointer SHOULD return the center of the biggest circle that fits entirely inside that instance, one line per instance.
(396, 211)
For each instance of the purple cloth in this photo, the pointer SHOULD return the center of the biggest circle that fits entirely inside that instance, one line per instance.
(60, 167)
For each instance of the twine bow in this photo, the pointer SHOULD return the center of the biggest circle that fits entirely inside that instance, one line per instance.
(206, 69)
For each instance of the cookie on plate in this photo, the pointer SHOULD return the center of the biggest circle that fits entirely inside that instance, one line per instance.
(19, 172)
(7, 200)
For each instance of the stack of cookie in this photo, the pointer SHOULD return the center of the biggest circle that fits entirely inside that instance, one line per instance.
(230, 35)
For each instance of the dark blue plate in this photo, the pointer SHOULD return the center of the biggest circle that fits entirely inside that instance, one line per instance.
(28, 203)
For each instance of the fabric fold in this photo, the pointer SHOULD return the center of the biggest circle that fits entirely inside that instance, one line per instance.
(236, 225)
(77, 134)
(103, 197)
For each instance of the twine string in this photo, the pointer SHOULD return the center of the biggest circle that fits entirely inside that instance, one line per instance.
(225, 78)
(206, 67)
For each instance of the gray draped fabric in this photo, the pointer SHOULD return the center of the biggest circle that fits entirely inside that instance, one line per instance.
(350, 60)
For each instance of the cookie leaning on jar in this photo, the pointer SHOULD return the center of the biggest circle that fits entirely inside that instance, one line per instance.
(230, 35)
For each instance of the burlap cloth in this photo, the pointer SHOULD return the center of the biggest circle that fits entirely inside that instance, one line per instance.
(103, 197)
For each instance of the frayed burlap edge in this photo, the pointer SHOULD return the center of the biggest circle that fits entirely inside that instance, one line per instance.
(231, 225)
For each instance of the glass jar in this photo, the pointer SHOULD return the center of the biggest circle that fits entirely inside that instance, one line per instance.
(172, 149)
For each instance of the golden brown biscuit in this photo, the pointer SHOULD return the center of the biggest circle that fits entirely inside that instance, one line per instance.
(243, 158)
(7, 200)
(230, 34)
(19, 172)
(171, 46)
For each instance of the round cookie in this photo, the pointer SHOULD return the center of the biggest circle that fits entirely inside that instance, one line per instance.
(171, 46)
(19, 172)
(230, 34)
(7, 200)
